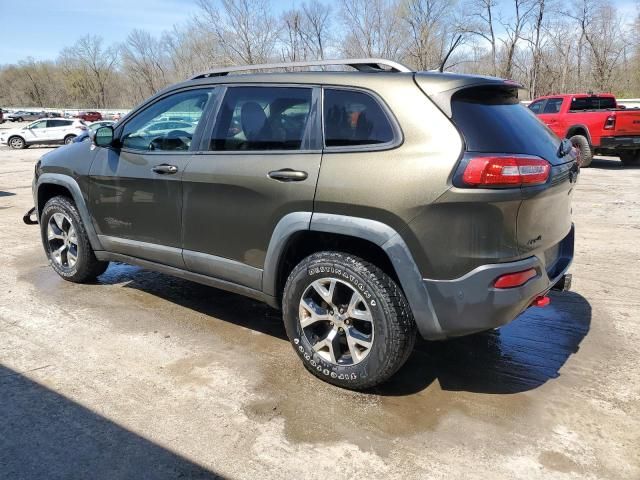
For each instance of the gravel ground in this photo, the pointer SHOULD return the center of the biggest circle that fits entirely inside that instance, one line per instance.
(146, 376)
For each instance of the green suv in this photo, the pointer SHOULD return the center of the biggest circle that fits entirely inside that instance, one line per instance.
(367, 205)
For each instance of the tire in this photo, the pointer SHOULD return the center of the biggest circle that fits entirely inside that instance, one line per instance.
(19, 119)
(368, 308)
(69, 139)
(17, 143)
(582, 144)
(630, 158)
(59, 220)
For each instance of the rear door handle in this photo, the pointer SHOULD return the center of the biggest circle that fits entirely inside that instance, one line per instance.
(165, 169)
(288, 175)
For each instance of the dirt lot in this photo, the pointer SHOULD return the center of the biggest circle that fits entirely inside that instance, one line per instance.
(146, 376)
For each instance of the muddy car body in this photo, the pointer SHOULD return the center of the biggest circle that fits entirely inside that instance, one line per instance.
(366, 205)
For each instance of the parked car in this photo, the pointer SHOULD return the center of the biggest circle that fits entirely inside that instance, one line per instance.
(595, 124)
(45, 131)
(23, 116)
(92, 127)
(89, 116)
(1, 116)
(367, 206)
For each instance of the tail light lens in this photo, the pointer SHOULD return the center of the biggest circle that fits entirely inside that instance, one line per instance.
(610, 122)
(496, 171)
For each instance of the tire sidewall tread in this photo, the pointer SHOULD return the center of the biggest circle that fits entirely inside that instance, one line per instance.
(394, 326)
(87, 267)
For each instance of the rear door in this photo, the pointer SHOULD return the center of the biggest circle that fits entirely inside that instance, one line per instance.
(259, 161)
(56, 129)
(136, 190)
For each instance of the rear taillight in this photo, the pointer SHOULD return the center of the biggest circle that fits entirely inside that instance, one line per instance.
(610, 122)
(496, 171)
(517, 279)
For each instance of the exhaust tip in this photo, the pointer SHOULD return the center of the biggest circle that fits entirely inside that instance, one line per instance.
(564, 284)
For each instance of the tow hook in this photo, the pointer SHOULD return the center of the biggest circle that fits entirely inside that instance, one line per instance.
(564, 284)
(541, 301)
(27, 218)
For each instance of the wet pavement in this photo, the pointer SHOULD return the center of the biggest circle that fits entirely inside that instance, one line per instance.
(142, 375)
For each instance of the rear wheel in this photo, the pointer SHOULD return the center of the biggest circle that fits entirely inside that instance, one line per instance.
(582, 144)
(630, 158)
(69, 139)
(348, 321)
(17, 143)
(66, 242)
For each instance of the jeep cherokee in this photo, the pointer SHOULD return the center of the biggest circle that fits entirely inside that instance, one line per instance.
(366, 205)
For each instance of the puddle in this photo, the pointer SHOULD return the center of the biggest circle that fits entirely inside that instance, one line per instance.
(486, 377)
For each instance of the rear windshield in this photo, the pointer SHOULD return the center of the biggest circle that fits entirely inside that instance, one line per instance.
(492, 120)
(592, 103)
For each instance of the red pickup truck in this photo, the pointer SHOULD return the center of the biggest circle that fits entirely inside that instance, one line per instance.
(595, 124)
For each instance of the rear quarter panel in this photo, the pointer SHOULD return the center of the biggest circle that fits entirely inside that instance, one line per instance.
(393, 186)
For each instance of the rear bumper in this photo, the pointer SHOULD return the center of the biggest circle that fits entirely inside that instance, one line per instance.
(471, 304)
(620, 143)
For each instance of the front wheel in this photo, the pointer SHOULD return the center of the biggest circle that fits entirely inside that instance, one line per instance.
(17, 143)
(66, 242)
(348, 321)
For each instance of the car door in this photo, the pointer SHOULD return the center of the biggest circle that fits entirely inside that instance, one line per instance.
(260, 161)
(136, 191)
(37, 132)
(56, 129)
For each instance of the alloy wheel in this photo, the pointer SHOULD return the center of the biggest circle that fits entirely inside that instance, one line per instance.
(336, 321)
(63, 240)
(16, 143)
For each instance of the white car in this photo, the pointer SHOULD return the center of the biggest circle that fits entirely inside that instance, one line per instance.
(47, 130)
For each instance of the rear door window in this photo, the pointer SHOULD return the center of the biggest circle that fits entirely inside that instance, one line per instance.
(553, 105)
(353, 118)
(262, 118)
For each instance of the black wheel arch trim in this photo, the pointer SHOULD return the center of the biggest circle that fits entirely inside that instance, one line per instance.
(578, 126)
(371, 230)
(72, 186)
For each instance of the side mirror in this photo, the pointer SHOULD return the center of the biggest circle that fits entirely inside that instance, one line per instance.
(103, 136)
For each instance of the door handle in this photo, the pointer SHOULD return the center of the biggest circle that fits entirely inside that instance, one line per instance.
(288, 175)
(165, 169)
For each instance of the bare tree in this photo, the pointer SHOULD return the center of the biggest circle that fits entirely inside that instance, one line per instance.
(373, 29)
(246, 30)
(305, 32)
(482, 22)
(514, 28)
(145, 61)
(89, 68)
(431, 31)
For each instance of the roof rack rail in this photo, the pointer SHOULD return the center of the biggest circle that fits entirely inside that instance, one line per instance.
(360, 64)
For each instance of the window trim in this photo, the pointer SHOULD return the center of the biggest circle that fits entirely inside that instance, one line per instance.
(311, 129)
(398, 136)
(197, 134)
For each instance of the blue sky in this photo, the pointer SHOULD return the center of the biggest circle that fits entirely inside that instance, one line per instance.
(41, 28)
